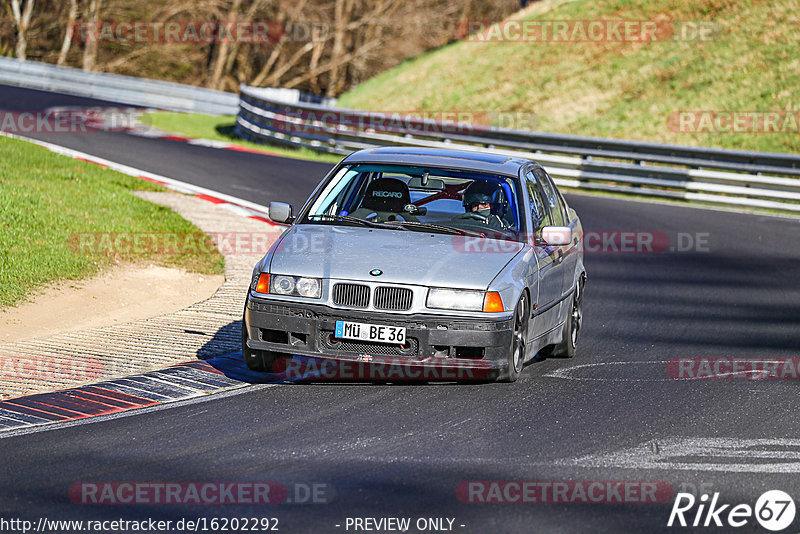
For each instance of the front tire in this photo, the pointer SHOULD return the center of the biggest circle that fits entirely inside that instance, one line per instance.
(256, 360)
(516, 353)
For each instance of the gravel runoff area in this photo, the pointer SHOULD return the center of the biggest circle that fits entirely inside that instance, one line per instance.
(202, 330)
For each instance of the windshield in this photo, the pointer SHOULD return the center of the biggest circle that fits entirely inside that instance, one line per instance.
(421, 199)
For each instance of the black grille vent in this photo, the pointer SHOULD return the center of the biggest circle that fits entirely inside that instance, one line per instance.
(393, 298)
(328, 342)
(351, 295)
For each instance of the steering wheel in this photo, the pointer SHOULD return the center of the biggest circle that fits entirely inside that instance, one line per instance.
(378, 217)
(474, 215)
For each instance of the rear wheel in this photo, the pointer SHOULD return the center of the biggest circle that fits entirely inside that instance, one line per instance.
(572, 326)
(516, 353)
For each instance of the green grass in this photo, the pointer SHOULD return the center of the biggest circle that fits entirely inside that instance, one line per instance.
(47, 201)
(221, 129)
(615, 89)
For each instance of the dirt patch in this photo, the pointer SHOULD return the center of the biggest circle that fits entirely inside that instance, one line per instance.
(124, 293)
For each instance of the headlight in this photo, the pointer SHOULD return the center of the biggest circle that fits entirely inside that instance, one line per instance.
(308, 287)
(282, 285)
(295, 285)
(455, 299)
(465, 300)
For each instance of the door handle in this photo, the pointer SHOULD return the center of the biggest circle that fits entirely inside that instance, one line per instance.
(560, 256)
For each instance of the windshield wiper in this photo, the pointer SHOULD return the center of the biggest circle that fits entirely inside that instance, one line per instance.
(436, 228)
(356, 220)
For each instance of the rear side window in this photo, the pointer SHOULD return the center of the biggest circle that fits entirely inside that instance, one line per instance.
(561, 200)
(552, 199)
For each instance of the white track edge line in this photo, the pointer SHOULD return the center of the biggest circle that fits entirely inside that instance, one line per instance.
(172, 183)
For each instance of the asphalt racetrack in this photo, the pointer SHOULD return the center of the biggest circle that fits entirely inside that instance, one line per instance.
(727, 285)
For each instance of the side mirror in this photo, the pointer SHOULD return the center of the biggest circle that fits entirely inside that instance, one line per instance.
(280, 212)
(554, 236)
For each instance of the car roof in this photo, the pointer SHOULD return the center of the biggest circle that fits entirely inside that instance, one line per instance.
(440, 157)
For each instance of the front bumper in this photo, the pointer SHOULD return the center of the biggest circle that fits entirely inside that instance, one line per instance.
(476, 348)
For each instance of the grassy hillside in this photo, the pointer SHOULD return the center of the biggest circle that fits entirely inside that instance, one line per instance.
(616, 89)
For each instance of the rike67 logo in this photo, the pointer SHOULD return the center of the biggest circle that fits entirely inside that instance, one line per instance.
(774, 510)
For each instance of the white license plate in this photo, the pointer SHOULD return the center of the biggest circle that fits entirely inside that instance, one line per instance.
(370, 332)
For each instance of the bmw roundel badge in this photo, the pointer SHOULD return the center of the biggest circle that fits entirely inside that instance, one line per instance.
(376, 272)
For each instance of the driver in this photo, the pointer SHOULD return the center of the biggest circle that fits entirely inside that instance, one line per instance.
(482, 201)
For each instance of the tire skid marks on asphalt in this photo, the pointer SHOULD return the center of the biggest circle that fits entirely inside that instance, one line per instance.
(733, 455)
(180, 382)
(630, 371)
(659, 371)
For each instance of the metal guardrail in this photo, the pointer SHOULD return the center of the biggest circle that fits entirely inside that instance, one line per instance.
(716, 176)
(288, 96)
(140, 92)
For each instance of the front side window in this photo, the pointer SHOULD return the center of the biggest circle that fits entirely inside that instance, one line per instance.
(539, 215)
(417, 198)
(552, 200)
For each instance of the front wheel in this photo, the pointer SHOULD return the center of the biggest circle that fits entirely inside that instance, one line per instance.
(516, 352)
(256, 360)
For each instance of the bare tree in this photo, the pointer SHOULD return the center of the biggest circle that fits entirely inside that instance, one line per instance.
(72, 16)
(286, 66)
(359, 29)
(325, 46)
(279, 61)
(339, 23)
(316, 55)
(330, 66)
(224, 46)
(22, 21)
(235, 53)
(90, 46)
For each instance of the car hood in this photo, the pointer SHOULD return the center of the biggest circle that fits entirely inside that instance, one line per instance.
(404, 257)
